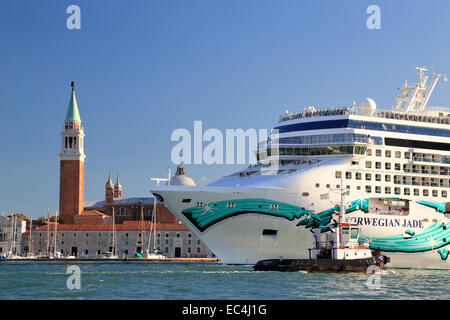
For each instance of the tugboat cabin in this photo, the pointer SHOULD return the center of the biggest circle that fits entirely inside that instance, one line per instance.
(344, 244)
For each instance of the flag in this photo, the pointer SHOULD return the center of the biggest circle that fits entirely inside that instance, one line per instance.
(325, 196)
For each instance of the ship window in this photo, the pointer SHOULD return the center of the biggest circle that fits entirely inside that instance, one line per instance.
(398, 166)
(317, 185)
(406, 191)
(269, 232)
(274, 207)
(387, 178)
(407, 155)
(387, 166)
(338, 174)
(368, 164)
(425, 192)
(368, 176)
(416, 192)
(199, 204)
(358, 175)
(388, 153)
(348, 175)
(378, 153)
(231, 205)
(344, 230)
(398, 154)
(387, 190)
(354, 233)
(369, 152)
(377, 189)
(377, 165)
(378, 177)
(368, 189)
(397, 190)
(328, 185)
(305, 194)
(435, 193)
(186, 200)
(444, 194)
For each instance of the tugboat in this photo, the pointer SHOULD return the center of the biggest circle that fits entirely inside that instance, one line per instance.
(342, 253)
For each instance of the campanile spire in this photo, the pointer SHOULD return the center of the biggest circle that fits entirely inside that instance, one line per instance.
(72, 163)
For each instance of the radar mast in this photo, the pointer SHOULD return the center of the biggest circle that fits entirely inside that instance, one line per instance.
(414, 99)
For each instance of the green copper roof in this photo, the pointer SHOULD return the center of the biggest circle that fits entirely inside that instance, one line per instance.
(72, 113)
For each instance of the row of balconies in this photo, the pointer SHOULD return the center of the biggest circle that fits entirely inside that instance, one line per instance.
(423, 184)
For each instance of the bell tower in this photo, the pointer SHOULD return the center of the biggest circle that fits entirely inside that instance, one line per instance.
(109, 190)
(71, 186)
(118, 189)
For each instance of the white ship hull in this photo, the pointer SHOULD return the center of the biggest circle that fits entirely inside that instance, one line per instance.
(239, 239)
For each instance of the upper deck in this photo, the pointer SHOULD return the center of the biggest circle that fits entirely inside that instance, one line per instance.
(436, 115)
(409, 114)
(388, 121)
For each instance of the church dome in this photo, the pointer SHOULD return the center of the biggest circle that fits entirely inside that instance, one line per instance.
(180, 178)
(182, 181)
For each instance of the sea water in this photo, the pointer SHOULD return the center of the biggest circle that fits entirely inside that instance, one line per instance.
(169, 280)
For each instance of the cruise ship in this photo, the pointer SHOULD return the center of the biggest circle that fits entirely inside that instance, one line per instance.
(392, 167)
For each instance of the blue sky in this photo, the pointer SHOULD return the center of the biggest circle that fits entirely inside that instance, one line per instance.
(145, 68)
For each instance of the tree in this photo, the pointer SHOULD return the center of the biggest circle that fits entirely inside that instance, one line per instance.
(52, 219)
(18, 215)
(22, 216)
